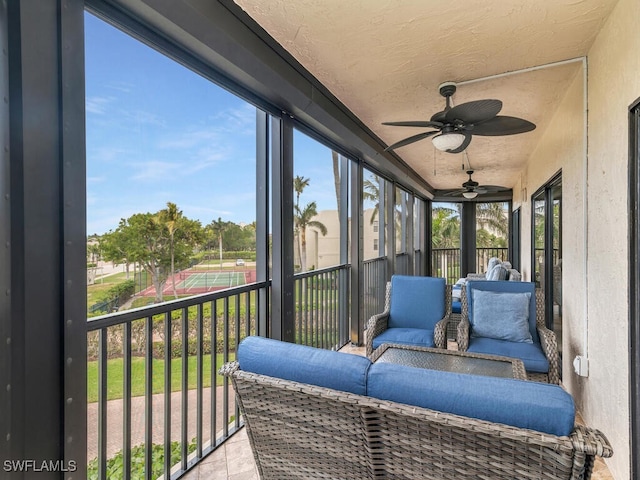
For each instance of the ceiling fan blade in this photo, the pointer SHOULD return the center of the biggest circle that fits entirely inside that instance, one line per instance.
(464, 145)
(409, 140)
(503, 125)
(452, 193)
(490, 189)
(415, 123)
(474, 112)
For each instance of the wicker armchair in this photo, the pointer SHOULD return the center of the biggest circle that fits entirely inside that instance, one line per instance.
(416, 312)
(546, 338)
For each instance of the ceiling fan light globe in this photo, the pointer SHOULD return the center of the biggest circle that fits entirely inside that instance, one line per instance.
(448, 141)
(470, 194)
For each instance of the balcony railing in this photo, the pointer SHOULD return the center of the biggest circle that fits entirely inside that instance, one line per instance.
(153, 382)
(445, 262)
(321, 304)
(155, 399)
(374, 274)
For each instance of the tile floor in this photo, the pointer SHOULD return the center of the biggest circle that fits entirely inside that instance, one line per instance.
(234, 460)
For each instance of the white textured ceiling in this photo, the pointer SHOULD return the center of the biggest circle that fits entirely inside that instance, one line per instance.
(384, 59)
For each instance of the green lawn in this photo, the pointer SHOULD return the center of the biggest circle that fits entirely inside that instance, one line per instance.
(115, 376)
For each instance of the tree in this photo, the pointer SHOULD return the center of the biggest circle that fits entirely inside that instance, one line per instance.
(145, 238)
(171, 217)
(299, 184)
(494, 216)
(304, 219)
(445, 228)
(371, 193)
(217, 227)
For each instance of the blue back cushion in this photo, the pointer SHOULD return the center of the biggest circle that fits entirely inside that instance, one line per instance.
(416, 302)
(298, 363)
(508, 287)
(536, 406)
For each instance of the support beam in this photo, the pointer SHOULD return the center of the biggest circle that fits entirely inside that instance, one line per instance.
(282, 288)
(46, 327)
(468, 239)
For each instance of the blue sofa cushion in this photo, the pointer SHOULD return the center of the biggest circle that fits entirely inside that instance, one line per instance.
(299, 363)
(502, 315)
(531, 354)
(416, 302)
(536, 406)
(405, 336)
(507, 287)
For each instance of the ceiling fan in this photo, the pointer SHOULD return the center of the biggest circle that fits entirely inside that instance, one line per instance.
(454, 126)
(471, 189)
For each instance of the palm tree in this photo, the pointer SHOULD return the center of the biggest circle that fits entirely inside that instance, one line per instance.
(299, 184)
(371, 192)
(445, 228)
(494, 216)
(170, 217)
(218, 227)
(303, 221)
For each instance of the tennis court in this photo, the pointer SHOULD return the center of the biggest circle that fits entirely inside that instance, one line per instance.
(192, 281)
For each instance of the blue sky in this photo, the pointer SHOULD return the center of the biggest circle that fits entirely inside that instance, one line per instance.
(157, 132)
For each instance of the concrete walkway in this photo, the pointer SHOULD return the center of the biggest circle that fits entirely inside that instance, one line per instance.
(115, 419)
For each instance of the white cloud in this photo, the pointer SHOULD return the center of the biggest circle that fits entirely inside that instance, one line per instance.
(97, 105)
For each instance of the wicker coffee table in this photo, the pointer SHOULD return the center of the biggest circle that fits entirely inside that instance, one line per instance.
(452, 361)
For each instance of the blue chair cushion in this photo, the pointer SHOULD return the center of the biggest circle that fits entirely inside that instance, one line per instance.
(405, 336)
(536, 406)
(456, 307)
(506, 287)
(416, 302)
(531, 354)
(501, 315)
(299, 363)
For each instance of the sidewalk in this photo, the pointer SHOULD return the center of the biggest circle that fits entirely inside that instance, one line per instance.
(115, 419)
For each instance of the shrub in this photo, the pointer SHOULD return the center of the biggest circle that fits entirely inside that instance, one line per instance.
(115, 465)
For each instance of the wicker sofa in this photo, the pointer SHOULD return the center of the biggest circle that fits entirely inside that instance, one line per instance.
(313, 413)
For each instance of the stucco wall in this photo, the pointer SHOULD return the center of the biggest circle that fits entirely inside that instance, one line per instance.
(596, 303)
(614, 83)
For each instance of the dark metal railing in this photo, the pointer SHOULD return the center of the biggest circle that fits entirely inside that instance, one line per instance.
(321, 304)
(374, 274)
(445, 262)
(153, 382)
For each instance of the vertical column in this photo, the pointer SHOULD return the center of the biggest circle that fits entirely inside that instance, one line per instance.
(47, 320)
(427, 228)
(468, 239)
(343, 213)
(408, 233)
(74, 233)
(5, 240)
(357, 279)
(262, 219)
(390, 226)
(282, 303)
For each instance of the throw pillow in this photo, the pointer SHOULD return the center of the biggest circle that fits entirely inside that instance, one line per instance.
(501, 315)
(493, 261)
(498, 272)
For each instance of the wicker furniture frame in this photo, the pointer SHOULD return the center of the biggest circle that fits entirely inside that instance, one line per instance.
(547, 338)
(378, 323)
(453, 361)
(300, 431)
